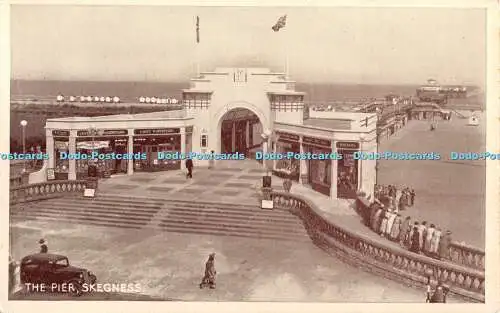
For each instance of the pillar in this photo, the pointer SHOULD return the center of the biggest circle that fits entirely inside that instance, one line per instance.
(275, 148)
(334, 175)
(265, 148)
(49, 149)
(303, 177)
(183, 147)
(72, 161)
(247, 135)
(130, 149)
(233, 137)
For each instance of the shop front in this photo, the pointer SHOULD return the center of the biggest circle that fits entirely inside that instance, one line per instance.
(319, 171)
(285, 144)
(347, 170)
(152, 143)
(104, 142)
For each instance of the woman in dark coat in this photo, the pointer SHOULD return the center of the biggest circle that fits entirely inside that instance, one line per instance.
(209, 277)
(415, 241)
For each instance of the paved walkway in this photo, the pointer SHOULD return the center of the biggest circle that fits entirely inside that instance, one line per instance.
(232, 182)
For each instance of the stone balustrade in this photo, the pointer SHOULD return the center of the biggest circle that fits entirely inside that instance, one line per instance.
(46, 190)
(398, 264)
(460, 253)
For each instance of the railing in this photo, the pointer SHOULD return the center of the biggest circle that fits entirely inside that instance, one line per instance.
(397, 263)
(16, 181)
(460, 253)
(52, 189)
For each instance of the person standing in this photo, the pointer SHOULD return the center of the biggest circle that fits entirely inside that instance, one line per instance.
(444, 246)
(422, 233)
(428, 239)
(435, 242)
(189, 166)
(390, 224)
(210, 272)
(43, 246)
(396, 228)
(383, 223)
(412, 197)
(415, 238)
(377, 221)
(439, 295)
(404, 237)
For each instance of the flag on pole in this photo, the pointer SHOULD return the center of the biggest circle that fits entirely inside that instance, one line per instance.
(197, 29)
(280, 23)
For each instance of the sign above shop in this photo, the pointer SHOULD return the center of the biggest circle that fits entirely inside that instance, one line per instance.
(105, 132)
(316, 141)
(347, 145)
(287, 136)
(60, 133)
(157, 131)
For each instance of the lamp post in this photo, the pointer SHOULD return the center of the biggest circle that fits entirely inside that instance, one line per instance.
(23, 125)
(360, 183)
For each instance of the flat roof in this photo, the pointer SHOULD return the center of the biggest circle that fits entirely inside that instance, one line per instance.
(173, 114)
(286, 93)
(329, 123)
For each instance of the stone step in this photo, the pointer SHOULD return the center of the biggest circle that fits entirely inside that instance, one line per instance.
(173, 206)
(194, 221)
(178, 216)
(87, 212)
(79, 218)
(256, 216)
(163, 200)
(175, 213)
(171, 228)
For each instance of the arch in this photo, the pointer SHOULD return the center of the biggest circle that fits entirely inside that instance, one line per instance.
(219, 116)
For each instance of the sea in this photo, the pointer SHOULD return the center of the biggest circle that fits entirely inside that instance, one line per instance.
(133, 90)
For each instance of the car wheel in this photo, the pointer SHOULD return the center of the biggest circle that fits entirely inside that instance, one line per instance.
(75, 288)
(93, 279)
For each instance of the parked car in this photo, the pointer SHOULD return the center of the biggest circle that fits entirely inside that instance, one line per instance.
(45, 269)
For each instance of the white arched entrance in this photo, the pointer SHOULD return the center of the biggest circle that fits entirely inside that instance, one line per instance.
(221, 115)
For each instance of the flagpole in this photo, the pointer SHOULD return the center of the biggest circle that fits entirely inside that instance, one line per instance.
(197, 49)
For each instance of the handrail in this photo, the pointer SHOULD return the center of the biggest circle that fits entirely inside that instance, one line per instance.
(46, 190)
(398, 263)
(459, 252)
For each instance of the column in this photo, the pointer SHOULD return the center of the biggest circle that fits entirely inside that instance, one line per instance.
(233, 137)
(183, 147)
(130, 149)
(49, 149)
(275, 147)
(264, 151)
(72, 161)
(247, 135)
(334, 167)
(303, 177)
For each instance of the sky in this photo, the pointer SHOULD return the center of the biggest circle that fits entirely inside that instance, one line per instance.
(322, 44)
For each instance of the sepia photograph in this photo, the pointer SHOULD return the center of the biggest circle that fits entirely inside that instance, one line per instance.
(247, 154)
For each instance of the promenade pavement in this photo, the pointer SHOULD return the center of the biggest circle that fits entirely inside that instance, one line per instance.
(233, 182)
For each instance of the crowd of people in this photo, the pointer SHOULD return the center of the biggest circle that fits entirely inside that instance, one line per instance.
(419, 237)
(398, 198)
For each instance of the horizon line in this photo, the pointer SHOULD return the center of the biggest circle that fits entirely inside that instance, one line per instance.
(187, 81)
